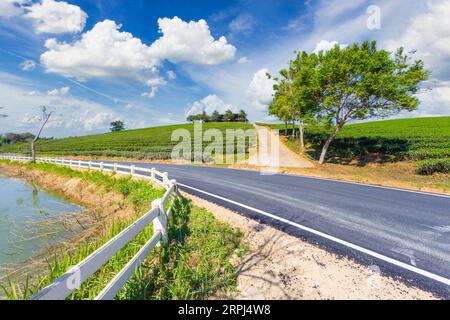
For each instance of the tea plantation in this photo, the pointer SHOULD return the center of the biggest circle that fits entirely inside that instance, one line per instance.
(150, 143)
(426, 140)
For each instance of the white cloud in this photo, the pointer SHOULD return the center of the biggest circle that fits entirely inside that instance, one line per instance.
(210, 104)
(260, 89)
(59, 92)
(130, 106)
(107, 52)
(325, 46)
(103, 52)
(11, 8)
(30, 93)
(151, 94)
(171, 75)
(28, 65)
(51, 16)
(154, 85)
(435, 102)
(190, 42)
(242, 24)
(429, 34)
(72, 116)
(243, 60)
(99, 120)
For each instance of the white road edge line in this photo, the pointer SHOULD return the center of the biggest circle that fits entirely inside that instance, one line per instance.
(331, 238)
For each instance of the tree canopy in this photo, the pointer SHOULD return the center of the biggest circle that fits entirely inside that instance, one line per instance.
(343, 84)
(228, 116)
(117, 126)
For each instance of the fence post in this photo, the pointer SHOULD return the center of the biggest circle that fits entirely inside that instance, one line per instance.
(90, 165)
(160, 223)
(101, 166)
(177, 192)
(153, 174)
(115, 167)
(132, 170)
(165, 176)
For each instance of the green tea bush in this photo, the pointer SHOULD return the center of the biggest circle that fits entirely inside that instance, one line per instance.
(431, 166)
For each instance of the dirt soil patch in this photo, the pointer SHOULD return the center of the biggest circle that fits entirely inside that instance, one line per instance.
(282, 267)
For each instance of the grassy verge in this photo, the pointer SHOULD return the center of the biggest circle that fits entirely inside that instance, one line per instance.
(194, 265)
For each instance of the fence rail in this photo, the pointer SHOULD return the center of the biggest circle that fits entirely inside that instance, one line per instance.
(70, 281)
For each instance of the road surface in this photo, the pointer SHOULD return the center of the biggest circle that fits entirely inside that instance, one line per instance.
(408, 230)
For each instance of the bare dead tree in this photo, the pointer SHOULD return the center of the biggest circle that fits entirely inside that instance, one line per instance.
(45, 117)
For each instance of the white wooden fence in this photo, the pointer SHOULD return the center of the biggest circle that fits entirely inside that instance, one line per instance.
(62, 287)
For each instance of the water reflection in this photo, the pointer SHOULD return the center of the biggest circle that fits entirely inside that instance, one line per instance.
(30, 219)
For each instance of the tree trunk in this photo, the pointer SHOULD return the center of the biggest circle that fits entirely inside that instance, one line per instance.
(286, 128)
(293, 130)
(328, 143)
(302, 137)
(33, 150)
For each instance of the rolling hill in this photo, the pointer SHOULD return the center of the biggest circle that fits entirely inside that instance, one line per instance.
(149, 143)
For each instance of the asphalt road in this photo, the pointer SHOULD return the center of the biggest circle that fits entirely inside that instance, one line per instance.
(409, 227)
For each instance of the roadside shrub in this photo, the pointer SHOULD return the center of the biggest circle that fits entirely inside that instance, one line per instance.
(431, 166)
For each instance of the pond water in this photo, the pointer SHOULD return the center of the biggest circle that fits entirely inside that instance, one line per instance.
(30, 220)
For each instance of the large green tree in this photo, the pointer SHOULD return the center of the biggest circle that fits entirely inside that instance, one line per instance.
(357, 83)
(361, 82)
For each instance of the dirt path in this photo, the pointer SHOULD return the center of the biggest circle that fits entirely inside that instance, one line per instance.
(286, 158)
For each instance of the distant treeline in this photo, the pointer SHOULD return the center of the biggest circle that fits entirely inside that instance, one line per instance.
(228, 116)
(11, 138)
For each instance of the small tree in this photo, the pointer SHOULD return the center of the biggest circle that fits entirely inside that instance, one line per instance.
(117, 126)
(228, 116)
(361, 82)
(203, 117)
(216, 117)
(292, 101)
(279, 110)
(242, 116)
(45, 116)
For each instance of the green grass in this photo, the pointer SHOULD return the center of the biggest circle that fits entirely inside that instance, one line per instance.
(194, 265)
(150, 143)
(389, 141)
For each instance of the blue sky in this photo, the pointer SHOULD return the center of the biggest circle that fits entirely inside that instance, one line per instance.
(153, 62)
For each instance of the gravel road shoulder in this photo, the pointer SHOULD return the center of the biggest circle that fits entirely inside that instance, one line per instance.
(282, 267)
